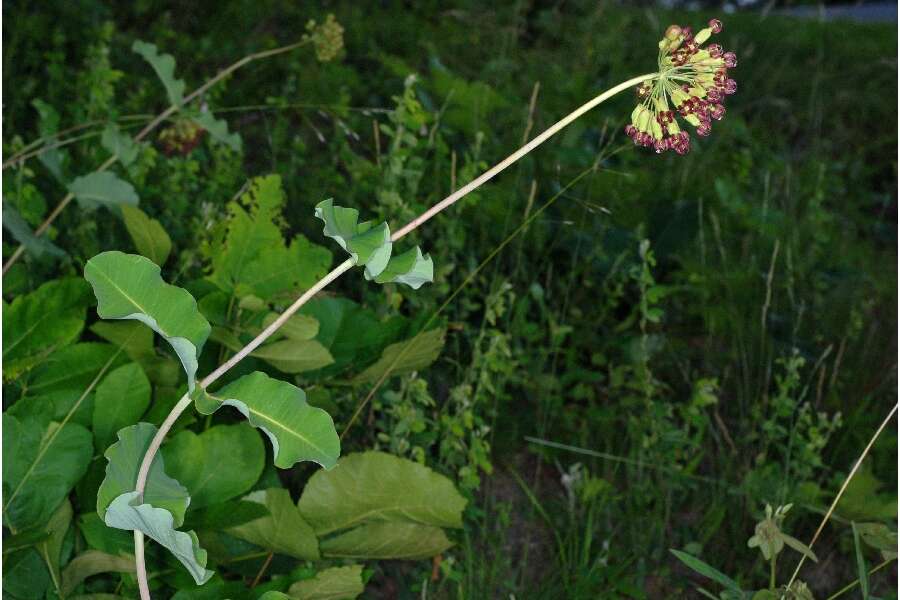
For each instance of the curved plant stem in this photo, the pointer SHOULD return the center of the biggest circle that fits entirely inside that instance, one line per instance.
(148, 129)
(840, 493)
(185, 401)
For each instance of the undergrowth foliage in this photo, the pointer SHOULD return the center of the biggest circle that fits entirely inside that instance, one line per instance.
(693, 346)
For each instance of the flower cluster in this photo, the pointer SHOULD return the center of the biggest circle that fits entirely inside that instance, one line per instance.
(327, 38)
(692, 81)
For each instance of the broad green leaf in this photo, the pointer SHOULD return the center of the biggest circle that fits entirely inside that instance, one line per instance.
(283, 531)
(74, 367)
(861, 568)
(124, 461)
(149, 237)
(224, 515)
(105, 539)
(196, 462)
(130, 287)
(275, 595)
(297, 327)
(248, 254)
(25, 576)
(410, 268)
(136, 341)
(164, 65)
(336, 583)
(26, 539)
(50, 548)
(386, 540)
(50, 317)
(119, 145)
(879, 536)
(102, 188)
(122, 397)
(369, 245)
(76, 406)
(295, 356)
(297, 430)
(218, 130)
(375, 486)
(707, 571)
(21, 231)
(863, 499)
(41, 465)
(127, 512)
(403, 357)
(93, 562)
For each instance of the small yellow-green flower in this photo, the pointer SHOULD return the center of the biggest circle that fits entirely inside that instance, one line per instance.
(692, 81)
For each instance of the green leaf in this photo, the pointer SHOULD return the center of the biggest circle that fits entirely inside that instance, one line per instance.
(50, 317)
(127, 512)
(249, 255)
(25, 576)
(707, 571)
(410, 268)
(41, 465)
(21, 231)
(406, 356)
(93, 562)
(297, 430)
(26, 539)
(397, 541)
(295, 356)
(130, 287)
(136, 341)
(799, 546)
(122, 397)
(164, 65)
(879, 536)
(50, 548)
(105, 539)
(73, 367)
(225, 515)
(149, 237)
(283, 531)
(218, 130)
(124, 461)
(274, 595)
(369, 245)
(861, 568)
(297, 327)
(336, 583)
(102, 188)
(196, 462)
(375, 486)
(119, 145)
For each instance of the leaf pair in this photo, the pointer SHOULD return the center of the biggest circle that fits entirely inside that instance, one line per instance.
(370, 245)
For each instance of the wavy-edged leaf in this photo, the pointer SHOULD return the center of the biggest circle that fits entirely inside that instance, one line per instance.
(128, 286)
(164, 65)
(387, 540)
(406, 356)
(50, 317)
(93, 562)
(149, 237)
(41, 465)
(336, 583)
(411, 268)
(368, 244)
(218, 130)
(295, 356)
(121, 398)
(283, 530)
(249, 255)
(127, 512)
(102, 188)
(375, 486)
(119, 144)
(124, 461)
(297, 430)
(21, 231)
(196, 461)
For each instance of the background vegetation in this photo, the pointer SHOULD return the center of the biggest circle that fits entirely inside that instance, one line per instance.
(704, 334)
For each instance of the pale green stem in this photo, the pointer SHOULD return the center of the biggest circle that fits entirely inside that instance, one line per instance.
(334, 274)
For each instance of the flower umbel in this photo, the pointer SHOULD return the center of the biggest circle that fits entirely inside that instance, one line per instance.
(692, 81)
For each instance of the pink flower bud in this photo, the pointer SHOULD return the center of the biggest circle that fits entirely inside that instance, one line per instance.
(715, 25)
(730, 86)
(717, 112)
(730, 60)
(715, 50)
(714, 95)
